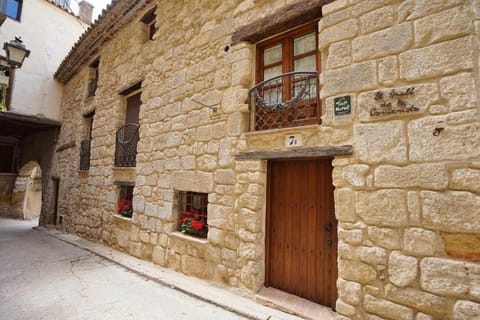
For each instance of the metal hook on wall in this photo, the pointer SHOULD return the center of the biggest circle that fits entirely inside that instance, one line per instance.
(213, 107)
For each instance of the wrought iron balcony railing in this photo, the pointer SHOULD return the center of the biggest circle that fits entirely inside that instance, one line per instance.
(126, 145)
(85, 155)
(287, 100)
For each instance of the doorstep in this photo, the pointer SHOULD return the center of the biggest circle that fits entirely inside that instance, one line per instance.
(213, 293)
(290, 303)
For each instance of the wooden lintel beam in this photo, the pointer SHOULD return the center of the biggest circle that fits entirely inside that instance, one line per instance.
(293, 15)
(308, 152)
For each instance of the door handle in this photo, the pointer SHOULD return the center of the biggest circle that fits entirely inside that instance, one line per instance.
(329, 243)
(328, 227)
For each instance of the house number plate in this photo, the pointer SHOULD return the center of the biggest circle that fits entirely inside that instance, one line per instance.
(293, 140)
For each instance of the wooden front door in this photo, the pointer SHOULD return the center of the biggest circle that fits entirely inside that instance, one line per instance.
(301, 243)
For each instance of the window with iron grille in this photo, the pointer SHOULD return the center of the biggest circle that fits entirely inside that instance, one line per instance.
(127, 136)
(193, 213)
(93, 78)
(149, 20)
(85, 145)
(287, 81)
(124, 204)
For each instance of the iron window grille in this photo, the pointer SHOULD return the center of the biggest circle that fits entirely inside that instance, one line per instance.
(287, 100)
(85, 155)
(126, 141)
(194, 213)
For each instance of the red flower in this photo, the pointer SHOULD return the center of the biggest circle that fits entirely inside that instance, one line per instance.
(196, 216)
(197, 225)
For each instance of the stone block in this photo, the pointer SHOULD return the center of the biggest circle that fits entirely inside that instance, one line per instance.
(193, 266)
(454, 142)
(354, 236)
(151, 210)
(364, 6)
(344, 205)
(383, 43)
(424, 176)
(197, 181)
(159, 256)
(329, 8)
(463, 246)
(402, 269)
(421, 242)
(387, 309)
(411, 10)
(442, 26)
(451, 278)
(379, 142)
(459, 91)
(138, 204)
(224, 176)
(383, 207)
(350, 292)
(356, 271)
(355, 174)
(339, 54)
(347, 29)
(419, 300)
(466, 310)
(372, 255)
(437, 60)
(384, 237)
(454, 211)
(345, 309)
(378, 19)
(220, 216)
(251, 220)
(352, 78)
(465, 179)
(388, 70)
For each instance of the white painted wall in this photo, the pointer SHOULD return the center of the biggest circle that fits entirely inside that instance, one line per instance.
(48, 32)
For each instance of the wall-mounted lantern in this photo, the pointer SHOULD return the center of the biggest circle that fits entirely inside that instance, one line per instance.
(16, 52)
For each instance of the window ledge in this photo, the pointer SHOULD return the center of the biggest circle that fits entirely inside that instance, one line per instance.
(310, 127)
(120, 217)
(183, 236)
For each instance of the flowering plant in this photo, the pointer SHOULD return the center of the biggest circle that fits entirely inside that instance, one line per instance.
(194, 223)
(124, 207)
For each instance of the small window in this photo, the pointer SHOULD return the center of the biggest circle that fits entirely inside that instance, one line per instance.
(93, 78)
(11, 8)
(85, 145)
(124, 204)
(193, 213)
(149, 20)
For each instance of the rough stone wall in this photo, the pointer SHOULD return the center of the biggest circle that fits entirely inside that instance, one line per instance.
(183, 145)
(408, 201)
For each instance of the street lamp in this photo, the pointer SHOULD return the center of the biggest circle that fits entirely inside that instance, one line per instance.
(16, 52)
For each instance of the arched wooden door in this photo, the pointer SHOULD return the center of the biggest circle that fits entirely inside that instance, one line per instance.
(301, 242)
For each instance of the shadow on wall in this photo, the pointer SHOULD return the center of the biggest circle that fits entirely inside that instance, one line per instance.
(26, 200)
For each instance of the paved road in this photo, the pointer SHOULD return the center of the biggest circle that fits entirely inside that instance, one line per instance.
(45, 278)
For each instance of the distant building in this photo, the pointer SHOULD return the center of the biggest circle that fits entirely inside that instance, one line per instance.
(30, 99)
(328, 150)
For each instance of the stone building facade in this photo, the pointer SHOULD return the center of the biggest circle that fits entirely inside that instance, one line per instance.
(400, 124)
